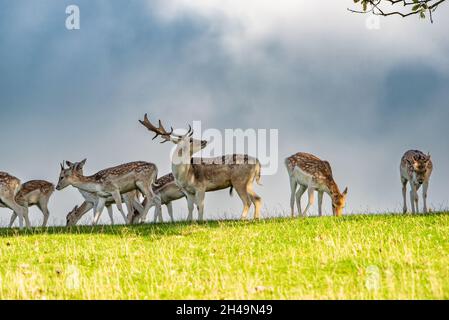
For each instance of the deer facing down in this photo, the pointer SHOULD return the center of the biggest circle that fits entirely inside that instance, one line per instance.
(196, 176)
(312, 173)
(79, 211)
(415, 168)
(35, 193)
(113, 182)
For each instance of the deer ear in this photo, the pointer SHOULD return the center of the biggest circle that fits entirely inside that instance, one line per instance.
(345, 193)
(69, 164)
(81, 164)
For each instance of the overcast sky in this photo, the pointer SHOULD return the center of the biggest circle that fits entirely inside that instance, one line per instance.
(356, 97)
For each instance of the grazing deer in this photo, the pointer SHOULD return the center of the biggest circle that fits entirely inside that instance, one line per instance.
(9, 188)
(416, 168)
(196, 176)
(167, 191)
(90, 199)
(112, 182)
(312, 173)
(34, 193)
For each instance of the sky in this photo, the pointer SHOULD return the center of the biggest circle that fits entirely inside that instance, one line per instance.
(355, 96)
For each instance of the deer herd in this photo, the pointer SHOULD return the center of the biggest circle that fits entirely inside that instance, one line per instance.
(136, 184)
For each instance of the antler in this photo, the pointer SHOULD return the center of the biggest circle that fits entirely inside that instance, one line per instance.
(160, 131)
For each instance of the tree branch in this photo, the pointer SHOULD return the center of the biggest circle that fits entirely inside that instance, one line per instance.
(387, 8)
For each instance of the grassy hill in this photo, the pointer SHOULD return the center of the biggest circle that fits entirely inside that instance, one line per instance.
(355, 257)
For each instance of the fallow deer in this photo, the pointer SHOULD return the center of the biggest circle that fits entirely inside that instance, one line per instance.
(196, 176)
(35, 193)
(113, 182)
(9, 188)
(90, 199)
(415, 168)
(312, 173)
(167, 191)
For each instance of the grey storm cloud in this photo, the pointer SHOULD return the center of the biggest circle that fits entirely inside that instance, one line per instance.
(356, 97)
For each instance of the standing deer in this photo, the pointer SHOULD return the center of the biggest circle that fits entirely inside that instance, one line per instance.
(113, 182)
(415, 168)
(90, 199)
(196, 176)
(9, 188)
(34, 193)
(312, 173)
(167, 191)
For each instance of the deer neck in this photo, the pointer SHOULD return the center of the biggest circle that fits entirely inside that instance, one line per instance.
(333, 189)
(181, 166)
(83, 183)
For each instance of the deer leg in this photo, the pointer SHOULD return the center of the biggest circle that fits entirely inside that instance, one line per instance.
(243, 194)
(170, 211)
(412, 196)
(190, 205)
(255, 199)
(150, 197)
(298, 195)
(425, 187)
(129, 206)
(111, 214)
(13, 218)
(98, 209)
(135, 217)
(156, 215)
(158, 212)
(19, 210)
(311, 193)
(293, 187)
(404, 194)
(118, 201)
(417, 198)
(199, 199)
(320, 203)
(43, 207)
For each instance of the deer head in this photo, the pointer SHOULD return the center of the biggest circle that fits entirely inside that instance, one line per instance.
(187, 146)
(72, 217)
(420, 166)
(339, 202)
(67, 175)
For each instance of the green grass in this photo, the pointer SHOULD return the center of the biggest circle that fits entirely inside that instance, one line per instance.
(355, 257)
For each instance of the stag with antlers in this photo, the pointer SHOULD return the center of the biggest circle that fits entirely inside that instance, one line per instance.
(196, 176)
